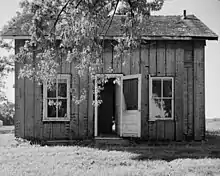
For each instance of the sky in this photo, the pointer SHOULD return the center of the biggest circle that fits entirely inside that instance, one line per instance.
(208, 11)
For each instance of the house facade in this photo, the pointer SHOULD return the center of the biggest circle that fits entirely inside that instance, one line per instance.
(159, 93)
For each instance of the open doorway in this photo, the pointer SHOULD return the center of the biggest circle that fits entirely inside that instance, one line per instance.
(108, 113)
(106, 110)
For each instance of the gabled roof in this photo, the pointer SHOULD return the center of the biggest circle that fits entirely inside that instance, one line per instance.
(15, 29)
(158, 27)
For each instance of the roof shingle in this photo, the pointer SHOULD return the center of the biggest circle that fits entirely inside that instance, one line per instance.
(157, 26)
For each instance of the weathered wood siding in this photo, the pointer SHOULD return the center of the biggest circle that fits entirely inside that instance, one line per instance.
(183, 60)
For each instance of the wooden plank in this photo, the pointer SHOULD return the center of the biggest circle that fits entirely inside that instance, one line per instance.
(90, 108)
(74, 120)
(199, 93)
(152, 130)
(58, 130)
(126, 62)
(63, 134)
(170, 59)
(29, 108)
(38, 111)
(144, 91)
(47, 131)
(160, 130)
(185, 103)
(117, 63)
(153, 59)
(169, 130)
(107, 60)
(83, 106)
(179, 91)
(161, 61)
(67, 130)
(19, 95)
(135, 61)
(190, 102)
(55, 130)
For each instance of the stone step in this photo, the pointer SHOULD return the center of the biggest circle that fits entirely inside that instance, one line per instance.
(111, 141)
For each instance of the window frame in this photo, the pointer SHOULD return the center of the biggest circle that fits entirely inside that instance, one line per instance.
(161, 78)
(67, 77)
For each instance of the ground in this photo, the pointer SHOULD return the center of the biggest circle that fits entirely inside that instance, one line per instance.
(18, 157)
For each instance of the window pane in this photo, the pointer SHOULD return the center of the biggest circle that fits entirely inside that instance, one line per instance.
(156, 108)
(167, 88)
(51, 108)
(130, 90)
(156, 88)
(62, 108)
(167, 108)
(51, 91)
(62, 89)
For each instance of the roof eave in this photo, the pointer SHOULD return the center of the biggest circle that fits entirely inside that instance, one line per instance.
(119, 36)
(205, 38)
(15, 36)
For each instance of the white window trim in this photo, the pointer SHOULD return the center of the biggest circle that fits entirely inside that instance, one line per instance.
(45, 118)
(150, 96)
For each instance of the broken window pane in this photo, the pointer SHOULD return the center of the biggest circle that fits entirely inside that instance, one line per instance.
(167, 88)
(156, 88)
(62, 108)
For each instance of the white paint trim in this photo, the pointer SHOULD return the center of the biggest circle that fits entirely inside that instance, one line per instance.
(151, 78)
(45, 118)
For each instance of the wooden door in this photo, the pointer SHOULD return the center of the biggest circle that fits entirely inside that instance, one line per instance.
(117, 107)
(131, 106)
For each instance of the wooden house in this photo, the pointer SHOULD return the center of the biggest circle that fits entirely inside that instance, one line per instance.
(161, 95)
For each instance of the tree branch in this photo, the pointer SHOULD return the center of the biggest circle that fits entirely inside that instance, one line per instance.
(111, 18)
(130, 3)
(63, 8)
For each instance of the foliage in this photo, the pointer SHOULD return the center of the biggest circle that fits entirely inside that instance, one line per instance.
(7, 112)
(77, 29)
(6, 66)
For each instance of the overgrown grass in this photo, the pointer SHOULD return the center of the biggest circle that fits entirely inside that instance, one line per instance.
(76, 160)
(195, 158)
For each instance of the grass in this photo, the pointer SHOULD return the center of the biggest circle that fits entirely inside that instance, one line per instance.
(18, 157)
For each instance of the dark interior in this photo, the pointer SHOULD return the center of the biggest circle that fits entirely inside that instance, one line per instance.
(106, 110)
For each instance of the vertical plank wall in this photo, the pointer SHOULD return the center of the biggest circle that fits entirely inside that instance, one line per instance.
(183, 60)
(19, 120)
(199, 90)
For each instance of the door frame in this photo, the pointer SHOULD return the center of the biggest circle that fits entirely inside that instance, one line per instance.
(108, 75)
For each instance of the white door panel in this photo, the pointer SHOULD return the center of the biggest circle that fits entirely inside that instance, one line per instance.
(131, 106)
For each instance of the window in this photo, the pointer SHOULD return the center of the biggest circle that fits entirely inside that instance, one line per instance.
(57, 99)
(161, 99)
